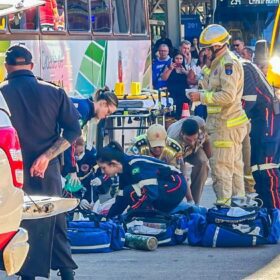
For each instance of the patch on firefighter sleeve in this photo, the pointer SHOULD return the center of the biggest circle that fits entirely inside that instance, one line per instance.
(228, 69)
(135, 171)
(135, 150)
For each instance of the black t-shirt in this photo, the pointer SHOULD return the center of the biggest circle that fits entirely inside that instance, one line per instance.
(40, 111)
(176, 84)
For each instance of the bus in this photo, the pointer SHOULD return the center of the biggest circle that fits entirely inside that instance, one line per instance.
(82, 45)
(249, 20)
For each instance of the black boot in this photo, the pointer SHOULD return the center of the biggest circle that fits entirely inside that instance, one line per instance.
(66, 273)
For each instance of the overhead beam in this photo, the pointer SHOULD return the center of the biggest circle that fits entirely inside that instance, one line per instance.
(156, 5)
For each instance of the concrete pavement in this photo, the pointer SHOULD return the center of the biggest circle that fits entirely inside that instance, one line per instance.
(180, 262)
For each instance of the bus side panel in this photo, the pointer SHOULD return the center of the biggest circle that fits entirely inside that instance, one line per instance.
(32, 45)
(4, 45)
(91, 72)
(57, 63)
(81, 66)
(136, 63)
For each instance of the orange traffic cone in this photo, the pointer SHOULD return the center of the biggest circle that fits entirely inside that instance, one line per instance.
(185, 111)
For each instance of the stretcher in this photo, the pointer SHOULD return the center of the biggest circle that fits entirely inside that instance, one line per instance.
(134, 116)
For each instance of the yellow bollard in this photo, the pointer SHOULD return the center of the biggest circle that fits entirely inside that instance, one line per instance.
(119, 89)
(135, 88)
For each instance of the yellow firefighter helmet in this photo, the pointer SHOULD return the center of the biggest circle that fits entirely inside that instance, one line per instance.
(213, 35)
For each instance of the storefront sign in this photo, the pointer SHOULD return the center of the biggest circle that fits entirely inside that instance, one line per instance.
(238, 3)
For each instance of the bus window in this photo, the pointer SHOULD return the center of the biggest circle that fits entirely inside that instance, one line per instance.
(100, 16)
(120, 16)
(137, 16)
(52, 15)
(78, 15)
(26, 20)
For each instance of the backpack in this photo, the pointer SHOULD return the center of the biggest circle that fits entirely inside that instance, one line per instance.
(221, 228)
(95, 235)
(168, 229)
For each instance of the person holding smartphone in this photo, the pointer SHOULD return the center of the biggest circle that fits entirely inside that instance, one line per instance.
(176, 76)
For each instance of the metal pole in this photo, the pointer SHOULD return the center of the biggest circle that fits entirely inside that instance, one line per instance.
(173, 19)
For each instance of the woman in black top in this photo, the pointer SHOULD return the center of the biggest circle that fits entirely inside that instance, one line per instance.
(176, 76)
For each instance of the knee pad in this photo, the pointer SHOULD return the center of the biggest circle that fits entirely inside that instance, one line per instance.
(15, 252)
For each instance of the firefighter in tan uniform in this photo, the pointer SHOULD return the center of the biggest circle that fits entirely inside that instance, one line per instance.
(226, 122)
(156, 143)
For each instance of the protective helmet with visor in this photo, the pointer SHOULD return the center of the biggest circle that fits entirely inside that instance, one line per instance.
(213, 35)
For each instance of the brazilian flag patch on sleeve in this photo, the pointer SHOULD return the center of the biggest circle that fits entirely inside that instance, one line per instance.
(135, 171)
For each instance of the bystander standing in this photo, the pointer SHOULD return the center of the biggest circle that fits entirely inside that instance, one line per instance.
(39, 112)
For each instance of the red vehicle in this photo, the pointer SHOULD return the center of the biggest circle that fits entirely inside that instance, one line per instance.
(11, 194)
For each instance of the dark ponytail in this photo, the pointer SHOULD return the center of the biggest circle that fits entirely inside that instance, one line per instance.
(107, 95)
(113, 151)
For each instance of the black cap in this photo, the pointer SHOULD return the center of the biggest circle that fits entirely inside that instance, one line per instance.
(18, 55)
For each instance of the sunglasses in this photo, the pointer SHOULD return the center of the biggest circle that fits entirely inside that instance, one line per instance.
(236, 45)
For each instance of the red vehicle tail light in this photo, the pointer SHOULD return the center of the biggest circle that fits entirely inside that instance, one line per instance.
(9, 142)
(5, 238)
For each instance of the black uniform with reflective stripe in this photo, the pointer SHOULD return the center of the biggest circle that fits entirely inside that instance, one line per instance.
(265, 134)
(39, 112)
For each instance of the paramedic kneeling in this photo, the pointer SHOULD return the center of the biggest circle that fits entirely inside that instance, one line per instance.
(144, 182)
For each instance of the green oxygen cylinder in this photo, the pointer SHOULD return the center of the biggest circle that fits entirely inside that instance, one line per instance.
(141, 242)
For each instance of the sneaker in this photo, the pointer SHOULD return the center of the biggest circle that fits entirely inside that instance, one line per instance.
(249, 200)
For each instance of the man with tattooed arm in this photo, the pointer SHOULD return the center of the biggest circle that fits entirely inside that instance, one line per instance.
(47, 123)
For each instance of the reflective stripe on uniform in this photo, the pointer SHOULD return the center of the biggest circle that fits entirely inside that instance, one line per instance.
(251, 98)
(214, 109)
(216, 234)
(120, 193)
(223, 144)
(145, 159)
(137, 187)
(264, 166)
(209, 97)
(237, 121)
(206, 70)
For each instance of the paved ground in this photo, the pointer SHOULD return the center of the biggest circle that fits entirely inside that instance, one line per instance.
(180, 262)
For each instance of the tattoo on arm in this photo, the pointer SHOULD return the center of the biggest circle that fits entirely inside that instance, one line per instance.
(57, 148)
